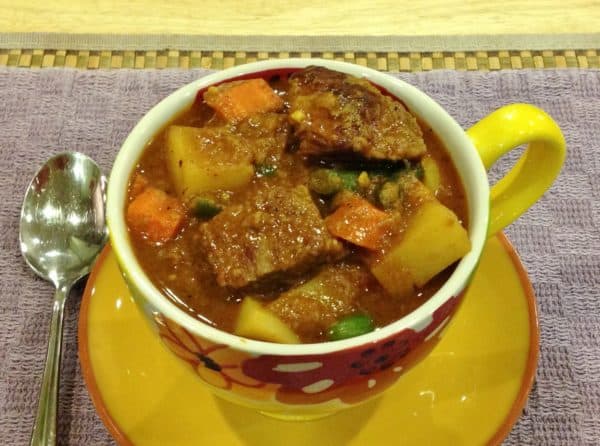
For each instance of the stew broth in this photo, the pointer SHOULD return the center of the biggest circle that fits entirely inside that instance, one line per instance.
(182, 270)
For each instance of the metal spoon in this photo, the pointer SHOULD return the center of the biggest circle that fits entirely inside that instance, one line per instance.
(62, 230)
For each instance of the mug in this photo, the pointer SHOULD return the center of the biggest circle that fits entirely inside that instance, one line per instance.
(308, 381)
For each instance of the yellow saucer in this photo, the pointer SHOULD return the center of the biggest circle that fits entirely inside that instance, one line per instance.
(470, 390)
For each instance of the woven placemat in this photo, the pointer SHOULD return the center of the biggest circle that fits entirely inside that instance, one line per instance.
(383, 61)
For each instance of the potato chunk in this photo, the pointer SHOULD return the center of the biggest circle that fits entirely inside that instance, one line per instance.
(393, 276)
(431, 171)
(204, 159)
(433, 240)
(257, 322)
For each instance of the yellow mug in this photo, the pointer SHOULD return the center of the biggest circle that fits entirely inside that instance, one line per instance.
(313, 380)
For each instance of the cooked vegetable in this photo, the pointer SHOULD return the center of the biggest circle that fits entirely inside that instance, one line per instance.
(206, 208)
(363, 180)
(329, 181)
(368, 182)
(266, 170)
(431, 174)
(155, 215)
(349, 179)
(350, 326)
(197, 166)
(238, 100)
(324, 182)
(257, 322)
(358, 221)
(392, 275)
(433, 240)
(389, 194)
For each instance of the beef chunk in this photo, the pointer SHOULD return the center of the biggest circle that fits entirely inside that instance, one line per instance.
(277, 230)
(336, 112)
(260, 138)
(266, 136)
(311, 308)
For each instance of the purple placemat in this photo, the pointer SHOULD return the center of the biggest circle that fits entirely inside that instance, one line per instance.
(46, 111)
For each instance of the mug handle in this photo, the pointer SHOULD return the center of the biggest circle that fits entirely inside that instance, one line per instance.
(502, 131)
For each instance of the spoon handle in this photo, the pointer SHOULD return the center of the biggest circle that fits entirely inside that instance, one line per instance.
(44, 430)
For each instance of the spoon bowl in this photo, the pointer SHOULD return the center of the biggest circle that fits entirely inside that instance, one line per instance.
(62, 230)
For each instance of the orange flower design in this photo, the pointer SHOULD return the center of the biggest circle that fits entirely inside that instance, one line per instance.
(217, 365)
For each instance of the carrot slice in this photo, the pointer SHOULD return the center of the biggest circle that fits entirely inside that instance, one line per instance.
(155, 215)
(359, 222)
(238, 100)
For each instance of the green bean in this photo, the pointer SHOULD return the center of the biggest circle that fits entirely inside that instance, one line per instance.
(205, 208)
(349, 179)
(350, 326)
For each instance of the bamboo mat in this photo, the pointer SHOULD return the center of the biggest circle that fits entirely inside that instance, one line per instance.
(383, 61)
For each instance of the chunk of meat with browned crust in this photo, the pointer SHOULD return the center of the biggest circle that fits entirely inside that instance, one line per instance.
(314, 306)
(277, 230)
(266, 134)
(335, 112)
(259, 139)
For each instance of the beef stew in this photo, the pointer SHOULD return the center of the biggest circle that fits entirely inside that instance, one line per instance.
(302, 208)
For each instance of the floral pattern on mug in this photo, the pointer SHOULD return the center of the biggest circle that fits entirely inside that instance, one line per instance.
(217, 365)
(351, 375)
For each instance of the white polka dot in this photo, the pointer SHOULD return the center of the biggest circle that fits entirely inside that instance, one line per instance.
(371, 383)
(319, 386)
(397, 369)
(297, 367)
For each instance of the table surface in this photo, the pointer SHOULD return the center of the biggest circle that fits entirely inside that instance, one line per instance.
(310, 17)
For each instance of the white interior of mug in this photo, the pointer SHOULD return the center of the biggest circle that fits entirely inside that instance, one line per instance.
(460, 148)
